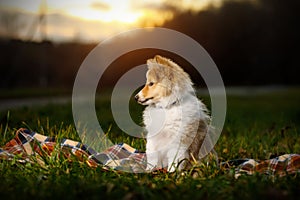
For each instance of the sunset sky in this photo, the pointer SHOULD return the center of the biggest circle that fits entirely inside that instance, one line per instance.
(88, 20)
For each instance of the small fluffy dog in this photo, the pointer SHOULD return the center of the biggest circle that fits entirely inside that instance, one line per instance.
(176, 121)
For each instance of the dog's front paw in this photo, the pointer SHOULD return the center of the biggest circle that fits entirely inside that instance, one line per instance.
(150, 167)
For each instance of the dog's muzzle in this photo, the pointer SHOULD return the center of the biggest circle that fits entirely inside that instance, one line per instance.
(137, 98)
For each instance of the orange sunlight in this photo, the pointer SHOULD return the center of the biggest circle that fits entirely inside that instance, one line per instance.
(91, 20)
(121, 14)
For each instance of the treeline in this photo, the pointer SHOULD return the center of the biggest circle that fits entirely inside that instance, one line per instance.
(251, 43)
(30, 64)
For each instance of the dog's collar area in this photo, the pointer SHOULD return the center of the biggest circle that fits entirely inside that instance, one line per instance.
(173, 104)
(176, 102)
(168, 106)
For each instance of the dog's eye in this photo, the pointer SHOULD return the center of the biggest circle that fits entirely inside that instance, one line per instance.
(150, 84)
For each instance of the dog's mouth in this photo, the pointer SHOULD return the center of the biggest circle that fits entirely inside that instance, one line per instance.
(144, 101)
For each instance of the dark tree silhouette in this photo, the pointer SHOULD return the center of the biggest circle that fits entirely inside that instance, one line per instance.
(251, 43)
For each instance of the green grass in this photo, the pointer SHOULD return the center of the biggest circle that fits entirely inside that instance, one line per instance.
(257, 126)
(33, 92)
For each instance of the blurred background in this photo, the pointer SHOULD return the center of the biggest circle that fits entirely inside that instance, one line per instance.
(43, 43)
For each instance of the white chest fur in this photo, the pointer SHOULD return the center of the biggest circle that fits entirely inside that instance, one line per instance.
(168, 127)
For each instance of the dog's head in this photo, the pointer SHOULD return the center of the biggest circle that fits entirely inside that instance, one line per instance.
(166, 83)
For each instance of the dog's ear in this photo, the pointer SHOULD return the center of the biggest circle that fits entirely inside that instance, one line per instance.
(151, 63)
(162, 60)
(157, 61)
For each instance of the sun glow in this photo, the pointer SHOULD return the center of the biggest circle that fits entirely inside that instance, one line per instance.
(113, 15)
(92, 19)
(106, 12)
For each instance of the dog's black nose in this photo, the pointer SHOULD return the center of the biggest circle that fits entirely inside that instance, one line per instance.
(136, 97)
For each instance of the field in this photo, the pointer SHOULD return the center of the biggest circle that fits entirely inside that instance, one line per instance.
(258, 125)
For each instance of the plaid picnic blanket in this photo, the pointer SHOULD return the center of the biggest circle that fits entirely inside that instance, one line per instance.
(278, 166)
(28, 144)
